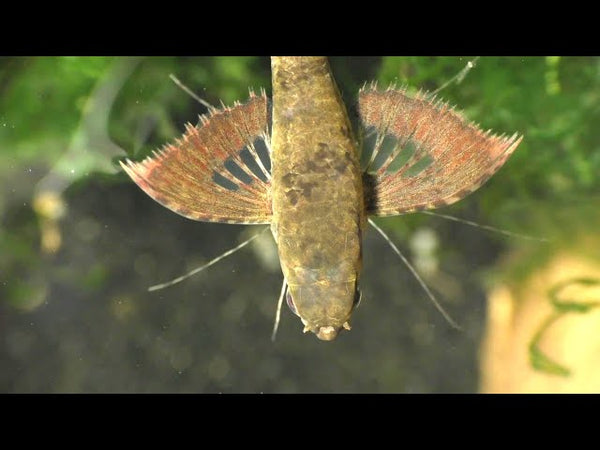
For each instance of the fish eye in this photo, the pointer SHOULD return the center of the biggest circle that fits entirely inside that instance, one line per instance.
(357, 297)
(290, 302)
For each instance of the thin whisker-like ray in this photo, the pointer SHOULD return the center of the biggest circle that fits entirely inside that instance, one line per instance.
(376, 148)
(188, 91)
(417, 276)
(278, 313)
(399, 148)
(208, 264)
(486, 227)
(250, 147)
(258, 161)
(459, 77)
(418, 154)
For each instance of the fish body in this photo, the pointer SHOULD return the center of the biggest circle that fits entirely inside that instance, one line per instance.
(423, 155)
(317, 195)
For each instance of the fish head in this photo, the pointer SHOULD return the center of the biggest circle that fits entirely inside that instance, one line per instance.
(324, 305)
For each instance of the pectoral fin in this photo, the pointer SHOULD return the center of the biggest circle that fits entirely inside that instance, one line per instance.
(421, 154)
(214, 173)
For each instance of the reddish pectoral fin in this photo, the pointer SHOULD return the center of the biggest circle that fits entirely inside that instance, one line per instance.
(218, 170)
(421, 154)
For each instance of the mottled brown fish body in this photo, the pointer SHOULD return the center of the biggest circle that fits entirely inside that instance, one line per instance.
(423, 155)
(318, 206)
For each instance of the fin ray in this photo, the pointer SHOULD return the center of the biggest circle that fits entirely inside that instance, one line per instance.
(452, 157)
(183, 176)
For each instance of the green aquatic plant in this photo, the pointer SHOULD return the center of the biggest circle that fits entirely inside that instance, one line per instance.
(562, 306)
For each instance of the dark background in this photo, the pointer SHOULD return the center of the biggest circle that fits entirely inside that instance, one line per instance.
(75, 315)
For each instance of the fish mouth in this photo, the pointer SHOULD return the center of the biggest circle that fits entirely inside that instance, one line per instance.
(327, 333)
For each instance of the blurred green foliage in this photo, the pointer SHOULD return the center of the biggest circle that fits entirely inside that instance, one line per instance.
(42, 103)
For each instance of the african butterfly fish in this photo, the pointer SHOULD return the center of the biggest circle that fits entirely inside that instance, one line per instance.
(423, 155)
